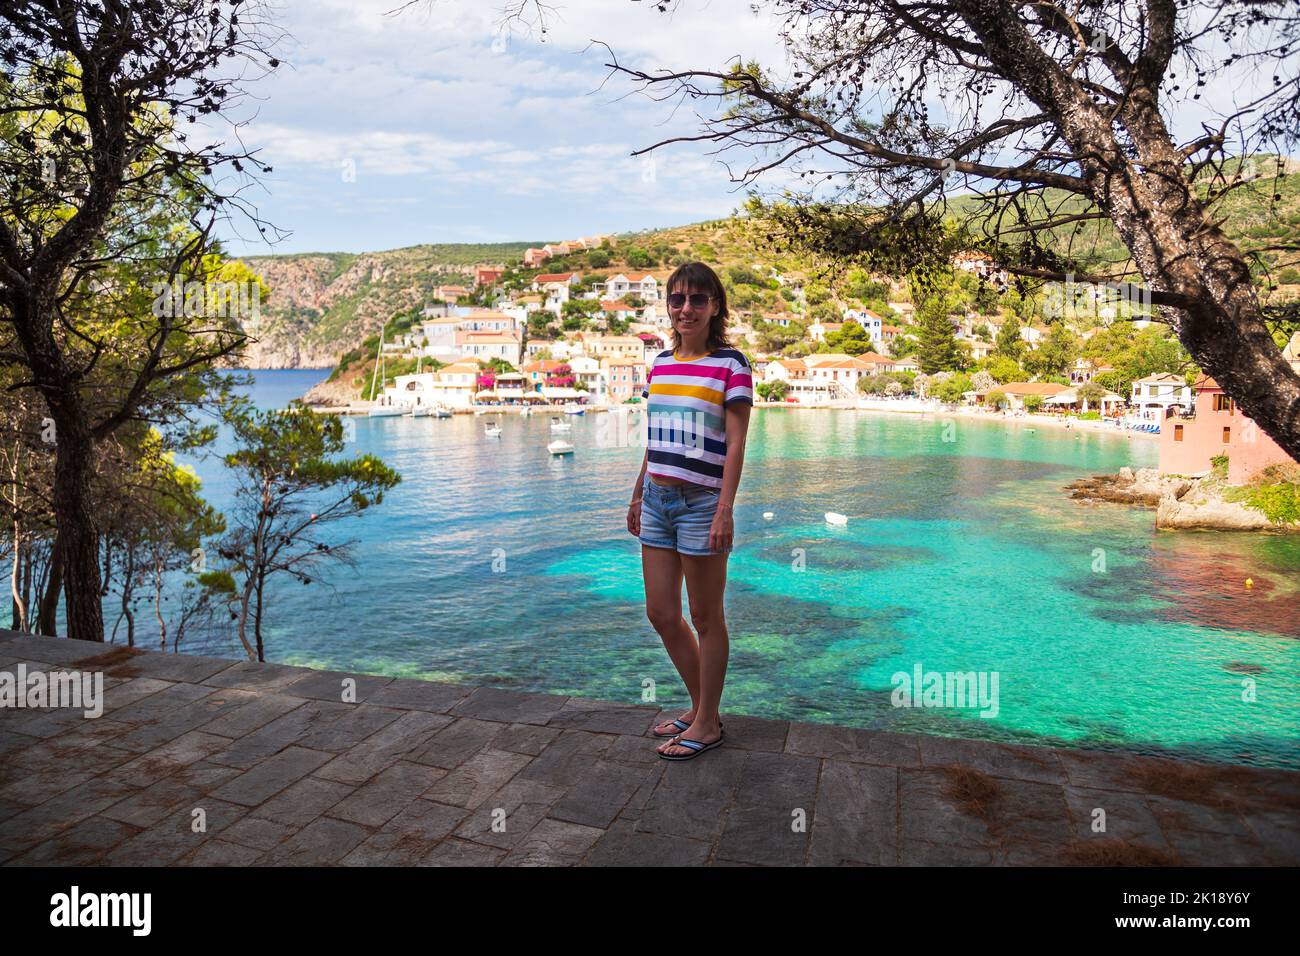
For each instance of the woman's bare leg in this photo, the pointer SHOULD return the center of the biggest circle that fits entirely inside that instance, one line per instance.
(662, 568)
(706, 581)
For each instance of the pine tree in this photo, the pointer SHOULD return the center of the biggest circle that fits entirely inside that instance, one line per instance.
(936, 348)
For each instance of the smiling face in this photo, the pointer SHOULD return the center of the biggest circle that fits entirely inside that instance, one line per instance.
(697, 308)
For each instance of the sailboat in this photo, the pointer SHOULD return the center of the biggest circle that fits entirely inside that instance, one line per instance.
(381, 411)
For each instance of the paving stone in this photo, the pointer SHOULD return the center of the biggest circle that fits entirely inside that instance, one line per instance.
(190, 668)
(410, 694)
(256, 712)
(53, 650)
(322, 842)
(553, 843)
(129, 691)
(221, 853)
(311, 718)
(601, 794)
(508, 815)
(604, 717)
(692, 798)
(623, 845)
(34, 788)
(775, 790)
(1183, 815)
(856, 815)
(349, 729)
(407, 735)
(997, 760)
(378, 801)
(270, 776)
(1127, 817)
(854, 744)
(929, 815)
(452, 852)
(35, 824)
(510, 706)
(82, 844)
(303, 802)
(189, 748)
(568, 758)
(328, 685)
(146, 807)
(174, 836)
(161, 705)
(1279, 832)
(409, 837)
(524, 738)
(254, 676)
(477, 778)
(257, 832)
(456, 743)
(166, 727)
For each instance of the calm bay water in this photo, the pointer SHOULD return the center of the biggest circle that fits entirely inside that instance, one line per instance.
(962, 555)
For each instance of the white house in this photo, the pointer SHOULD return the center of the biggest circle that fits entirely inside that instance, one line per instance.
(643, 284)
(1152, 396)
(489, 345)
(872, 323)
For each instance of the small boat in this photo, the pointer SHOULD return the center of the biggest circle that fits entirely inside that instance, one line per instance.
(834, 517)
(386, 411)
(525, 410)
(441, 412)
(559, 426)
(421, 411)
(768, 516)
(573, 410)
(492, 429)
(560, 447)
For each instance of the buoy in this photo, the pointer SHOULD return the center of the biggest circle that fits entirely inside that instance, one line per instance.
(1249, 583)
(836, 518)
(768, 516)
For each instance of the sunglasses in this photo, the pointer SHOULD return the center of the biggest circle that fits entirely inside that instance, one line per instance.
(699, 300)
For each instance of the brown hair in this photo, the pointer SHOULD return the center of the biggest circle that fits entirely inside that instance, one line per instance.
(697, 277)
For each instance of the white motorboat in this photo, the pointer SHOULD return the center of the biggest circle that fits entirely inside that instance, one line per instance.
(573, 410)
(492, 430)
(442, 413)
(421, 411)
(560, 426)
(560, 447)
(386, 411)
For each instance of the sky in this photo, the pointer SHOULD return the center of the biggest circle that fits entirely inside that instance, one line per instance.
(435, 125)
(439, 123)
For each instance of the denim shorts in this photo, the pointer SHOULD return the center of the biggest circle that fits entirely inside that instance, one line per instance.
(678, 516)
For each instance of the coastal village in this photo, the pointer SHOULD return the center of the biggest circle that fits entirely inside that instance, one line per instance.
(522, 338)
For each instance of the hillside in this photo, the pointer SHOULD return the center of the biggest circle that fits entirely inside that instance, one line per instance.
(324, 304)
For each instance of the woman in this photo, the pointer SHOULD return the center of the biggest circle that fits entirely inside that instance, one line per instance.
(700, 394)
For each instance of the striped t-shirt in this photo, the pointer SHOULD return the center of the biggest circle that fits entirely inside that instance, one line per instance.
(686, 418)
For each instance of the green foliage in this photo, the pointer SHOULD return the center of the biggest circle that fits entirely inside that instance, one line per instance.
(1033, 403)
(936, 344)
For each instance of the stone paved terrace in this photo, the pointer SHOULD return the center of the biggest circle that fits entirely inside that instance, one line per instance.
(416, 773)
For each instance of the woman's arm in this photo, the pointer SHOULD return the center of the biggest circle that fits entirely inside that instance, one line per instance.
(640, 478)
(737, 428)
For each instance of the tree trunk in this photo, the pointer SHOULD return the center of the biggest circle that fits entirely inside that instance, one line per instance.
(48, 621)
(77, 531)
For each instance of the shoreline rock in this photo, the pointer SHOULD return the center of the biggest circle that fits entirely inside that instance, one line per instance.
(1181, 503)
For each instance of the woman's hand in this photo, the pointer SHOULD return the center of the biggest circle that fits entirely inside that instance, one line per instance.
(634, 517)
(720, 532)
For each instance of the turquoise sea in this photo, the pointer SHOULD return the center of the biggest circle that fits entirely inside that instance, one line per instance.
(493, 563)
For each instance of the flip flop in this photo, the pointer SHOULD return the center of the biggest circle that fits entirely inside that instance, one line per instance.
(693, 745)
(681, 725)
